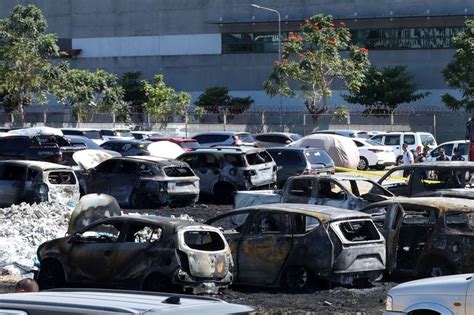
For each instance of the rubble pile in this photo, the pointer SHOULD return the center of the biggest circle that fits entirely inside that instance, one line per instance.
(24, 227)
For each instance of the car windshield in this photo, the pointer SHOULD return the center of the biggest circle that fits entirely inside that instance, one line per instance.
(258, 158)
(93, 134)
(189, 144)
(460, 220)
(371, 142)
(246, 137)
(295, 137)
(318, 157)
(123, 133)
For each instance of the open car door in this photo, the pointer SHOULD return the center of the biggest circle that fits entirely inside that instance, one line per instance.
(391, 232)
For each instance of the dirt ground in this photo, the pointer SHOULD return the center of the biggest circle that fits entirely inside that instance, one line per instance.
(337, 300)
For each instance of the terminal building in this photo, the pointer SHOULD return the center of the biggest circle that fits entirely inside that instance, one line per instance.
(199, 44)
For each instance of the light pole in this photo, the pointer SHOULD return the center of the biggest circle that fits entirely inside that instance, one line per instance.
(279, 49)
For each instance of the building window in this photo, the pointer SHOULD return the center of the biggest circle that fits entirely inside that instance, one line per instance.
(382, 38)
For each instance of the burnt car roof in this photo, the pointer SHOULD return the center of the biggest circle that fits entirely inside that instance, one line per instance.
(323, 213)
(159, 161)
(442, 203)
(38, 164)
(437, 165)
(172, 222)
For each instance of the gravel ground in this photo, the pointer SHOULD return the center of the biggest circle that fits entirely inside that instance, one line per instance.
(336, 300)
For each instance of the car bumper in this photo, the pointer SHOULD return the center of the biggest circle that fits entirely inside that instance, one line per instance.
(200, 286)
(351, 277)
(385, 163)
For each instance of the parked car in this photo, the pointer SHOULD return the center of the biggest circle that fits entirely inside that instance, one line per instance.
(428, 176)
(86, 301)
(38, 148)
(288, 244)
(299, 161)
(127, 147)
(93, 134)
(373, 154)
(449, 147)
(275, 139)
(345, 133)
(346, 192)
(415, 140)
(223, 138)
(35, 181)
(116, 133)
(426, 237)
(144, 135)
(138, 252)
(187, 144)
(141, 182)
(443, 295)
(83, 142)
(224, 170)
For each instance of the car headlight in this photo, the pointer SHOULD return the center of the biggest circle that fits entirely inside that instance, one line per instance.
(389, 303)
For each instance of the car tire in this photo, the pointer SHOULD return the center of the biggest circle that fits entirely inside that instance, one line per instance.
(363, 164)
(223, 193)
(50, 275)
(296, 278)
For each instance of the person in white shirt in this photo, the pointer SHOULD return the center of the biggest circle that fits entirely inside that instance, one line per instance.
(407, 159)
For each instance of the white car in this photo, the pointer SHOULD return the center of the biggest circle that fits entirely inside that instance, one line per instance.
(117, 133)
(448, 295)
(373, 154)
(449, 147)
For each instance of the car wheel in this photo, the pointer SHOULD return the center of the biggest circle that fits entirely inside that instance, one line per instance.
(379, 167)
(363, 164)
(51, 275)
(296, 278)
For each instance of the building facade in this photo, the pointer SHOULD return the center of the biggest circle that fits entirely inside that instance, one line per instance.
(198, 44)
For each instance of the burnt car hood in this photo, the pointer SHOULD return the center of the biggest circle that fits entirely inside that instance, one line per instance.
(89, 158)
(90, 208)
(165, 149)
(465, 193)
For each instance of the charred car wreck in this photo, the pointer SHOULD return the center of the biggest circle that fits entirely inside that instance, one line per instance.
(142, 182)
(426, 236)
(35, 181)
(138, 252)
(291, 244)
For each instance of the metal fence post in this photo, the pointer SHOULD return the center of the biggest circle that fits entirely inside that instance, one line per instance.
(113, 119)
(348, 120)
(434, 125)
(391, 122)
(304, 124)
(225, 119)
(186, 121)
(264, 126)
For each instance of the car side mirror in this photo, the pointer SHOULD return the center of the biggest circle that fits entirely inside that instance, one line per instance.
(75, 238)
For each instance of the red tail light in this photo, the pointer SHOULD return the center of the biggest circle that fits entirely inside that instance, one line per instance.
(376, 150)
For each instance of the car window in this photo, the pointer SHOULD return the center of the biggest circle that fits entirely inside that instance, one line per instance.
(318, 157)
(12, 172)
(126, 167)
(246, 137)
(258, 158)
(409, 139)
(392, 140)
(303, 223)
(211, 138)
(463, 148)
(178, 171)
(358, 143)
(295, 137)
(271, 223)
(448, 149)
(72, 132)
(301, 187)
(427, 140)
(106, 166)
(204, 240)
(31, 174)
(377, 139)
(123, 133)
(234, 160)
(106, 232)
(191, 159)
(331, 190)
(140, 233)
(91, 134)
(107, 132)
(460, 220)
(287, 157)
(231, 224)
(189, 144)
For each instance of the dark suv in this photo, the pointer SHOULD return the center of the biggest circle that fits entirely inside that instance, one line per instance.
(38, 148)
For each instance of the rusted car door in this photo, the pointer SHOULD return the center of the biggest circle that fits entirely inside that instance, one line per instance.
(123, 181)
(391, 232)
(263, 250)
(300, 190)
(99, 178)
(91, 251)
(12, 183)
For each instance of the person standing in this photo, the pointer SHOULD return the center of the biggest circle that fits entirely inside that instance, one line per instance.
(407, 159)
(442, 155)
(457, 155)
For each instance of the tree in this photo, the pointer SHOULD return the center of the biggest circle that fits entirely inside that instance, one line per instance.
(90, 92)
(384, 89)
(216, 98)
(24, 58)
(459, 73)
(134, 90)
(312, 60)
(163, 103)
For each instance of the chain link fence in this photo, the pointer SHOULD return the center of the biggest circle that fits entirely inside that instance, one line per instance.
(445, 125)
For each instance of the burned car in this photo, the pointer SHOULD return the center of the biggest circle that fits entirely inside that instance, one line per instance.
(346, 192)
(138, 252)
(224, 170)
(426, 236)
(36, 181)
(428, 177)
(290, 244)
(142, 182)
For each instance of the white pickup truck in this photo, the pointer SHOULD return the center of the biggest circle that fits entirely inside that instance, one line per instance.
(346, 192)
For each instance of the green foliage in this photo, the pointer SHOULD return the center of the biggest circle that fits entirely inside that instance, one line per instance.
(25, 71)
(163, 102)
(384, 89)
(313, 59)
(134, 90)
(341, 113)
(90, 92)
(215, 98)
(459, 73)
